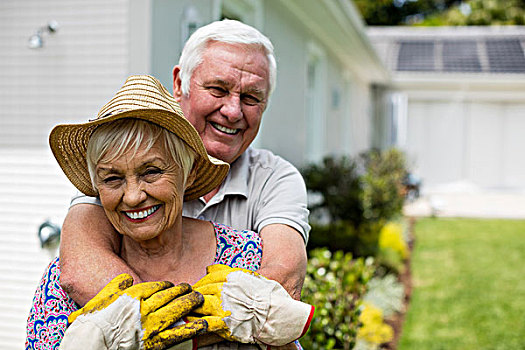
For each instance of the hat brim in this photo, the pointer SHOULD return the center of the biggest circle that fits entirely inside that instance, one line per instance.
(69, 145)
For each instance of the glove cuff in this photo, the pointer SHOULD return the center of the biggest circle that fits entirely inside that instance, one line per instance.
(287, 320)
(115, 327)
(262, 311)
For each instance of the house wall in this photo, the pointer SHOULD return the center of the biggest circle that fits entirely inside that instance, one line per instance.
(346, 99)
(67, 80)
(283, 128)
(168, 32)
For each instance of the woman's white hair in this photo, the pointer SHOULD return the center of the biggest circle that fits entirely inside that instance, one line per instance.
(110, 141)
(226, 31)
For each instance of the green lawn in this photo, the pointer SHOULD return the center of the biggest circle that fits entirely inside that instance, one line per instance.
(469, 286)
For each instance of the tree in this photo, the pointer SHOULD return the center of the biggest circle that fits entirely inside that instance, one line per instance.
(442, 12)
(397, 12)
(481, 12)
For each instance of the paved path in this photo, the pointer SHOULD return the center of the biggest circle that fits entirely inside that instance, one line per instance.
(477, 205)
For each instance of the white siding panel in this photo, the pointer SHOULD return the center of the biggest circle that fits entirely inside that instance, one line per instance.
(476, 142)
(486, 136)
(436, 133)
(33, 189)
(78, 68)
(514, 161)
(67, 80)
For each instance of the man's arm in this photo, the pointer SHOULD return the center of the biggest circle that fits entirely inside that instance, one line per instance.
(88, 253)
(284, 257)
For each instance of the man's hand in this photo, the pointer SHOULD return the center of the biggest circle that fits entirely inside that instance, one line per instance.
(284, 257)
(89, 249)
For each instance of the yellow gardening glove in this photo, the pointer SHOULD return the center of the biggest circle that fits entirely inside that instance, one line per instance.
(210, 286)
(137, 316)
(243, 306)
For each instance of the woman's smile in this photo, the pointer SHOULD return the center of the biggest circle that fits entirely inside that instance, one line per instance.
(141, 215)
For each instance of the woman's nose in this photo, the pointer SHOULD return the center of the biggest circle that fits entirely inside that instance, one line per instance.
(232, 108)
(134, 193)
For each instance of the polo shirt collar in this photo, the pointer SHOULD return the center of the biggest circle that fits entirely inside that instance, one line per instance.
(236, 182)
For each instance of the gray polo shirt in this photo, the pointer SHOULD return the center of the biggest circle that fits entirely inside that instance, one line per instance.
(260, 189)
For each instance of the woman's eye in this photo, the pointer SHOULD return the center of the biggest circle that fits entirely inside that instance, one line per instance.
(152, 172)
(111, 179)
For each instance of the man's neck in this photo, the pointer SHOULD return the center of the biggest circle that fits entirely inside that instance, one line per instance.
(207, 197)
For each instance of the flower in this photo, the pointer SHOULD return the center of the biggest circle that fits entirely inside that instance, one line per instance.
(391, 236)
(374, 330)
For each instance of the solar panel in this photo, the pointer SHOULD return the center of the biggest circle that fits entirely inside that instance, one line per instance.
(460, 56)
(505, 56)
(416, 56)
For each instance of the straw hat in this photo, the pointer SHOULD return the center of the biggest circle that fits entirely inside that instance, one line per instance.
(141, 97)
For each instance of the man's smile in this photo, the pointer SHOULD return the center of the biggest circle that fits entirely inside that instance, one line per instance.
(225, 129)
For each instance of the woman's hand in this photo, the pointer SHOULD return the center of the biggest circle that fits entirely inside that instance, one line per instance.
(243, 306)
(137, 316)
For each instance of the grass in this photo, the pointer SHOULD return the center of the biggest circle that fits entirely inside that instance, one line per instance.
(469, 286)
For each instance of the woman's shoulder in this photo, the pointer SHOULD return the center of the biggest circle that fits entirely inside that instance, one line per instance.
(238, 248)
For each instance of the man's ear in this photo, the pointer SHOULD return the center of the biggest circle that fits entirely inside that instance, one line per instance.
(177, 87)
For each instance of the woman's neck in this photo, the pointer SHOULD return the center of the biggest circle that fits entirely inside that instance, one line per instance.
(180, 254)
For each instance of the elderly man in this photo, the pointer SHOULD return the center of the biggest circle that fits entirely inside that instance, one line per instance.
(224, 79)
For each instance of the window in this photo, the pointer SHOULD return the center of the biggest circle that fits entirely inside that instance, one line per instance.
(315, 103)
(191, 21)
(246, 11)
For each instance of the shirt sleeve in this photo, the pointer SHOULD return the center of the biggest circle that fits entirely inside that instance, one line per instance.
(47, 321)
(283, 199)
(80, 198)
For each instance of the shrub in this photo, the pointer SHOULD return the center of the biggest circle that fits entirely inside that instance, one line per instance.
(340, 235)
(357, 196)
(386, 293)
(335, 285)
(338, 181)
(383, 184)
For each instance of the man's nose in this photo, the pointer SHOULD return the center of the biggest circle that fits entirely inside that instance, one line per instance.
(232, 108)
(134, 193)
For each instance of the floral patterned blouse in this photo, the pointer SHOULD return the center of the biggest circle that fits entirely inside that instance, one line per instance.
(47, 320)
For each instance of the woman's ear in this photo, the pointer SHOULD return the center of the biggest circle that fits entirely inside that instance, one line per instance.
(191, 177)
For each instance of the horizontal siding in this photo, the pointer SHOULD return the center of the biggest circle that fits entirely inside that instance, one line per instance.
(79, 68)
(33, 189)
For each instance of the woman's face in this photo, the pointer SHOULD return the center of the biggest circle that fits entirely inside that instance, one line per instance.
(141, 193)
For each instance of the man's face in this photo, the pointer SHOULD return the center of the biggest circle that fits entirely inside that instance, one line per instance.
(228, 95)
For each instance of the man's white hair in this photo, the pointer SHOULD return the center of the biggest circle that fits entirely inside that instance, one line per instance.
(226, 31)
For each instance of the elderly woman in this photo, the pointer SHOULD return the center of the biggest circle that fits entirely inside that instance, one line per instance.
(143, 159)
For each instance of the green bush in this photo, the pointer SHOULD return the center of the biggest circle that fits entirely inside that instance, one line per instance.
(338, 181)
(340, 235)
(357, 197)
(383, 195)
(335, 285)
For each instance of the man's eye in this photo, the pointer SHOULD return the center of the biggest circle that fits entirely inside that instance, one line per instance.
(217, 91)
(250, 100)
